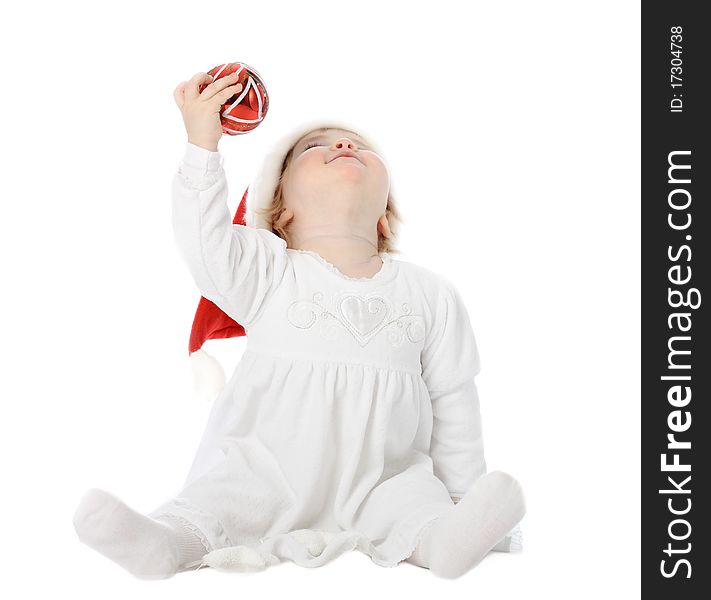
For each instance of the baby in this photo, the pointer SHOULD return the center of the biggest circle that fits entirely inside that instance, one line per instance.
(352, 419)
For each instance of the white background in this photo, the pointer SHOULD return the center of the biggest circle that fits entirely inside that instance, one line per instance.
(512, 133)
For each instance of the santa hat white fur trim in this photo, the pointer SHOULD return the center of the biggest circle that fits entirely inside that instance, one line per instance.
(208, 375)
(261, 191)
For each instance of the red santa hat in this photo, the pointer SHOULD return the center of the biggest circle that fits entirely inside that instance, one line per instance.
(211, 322)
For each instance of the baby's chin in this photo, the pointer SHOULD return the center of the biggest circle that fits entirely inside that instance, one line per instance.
(347, 172)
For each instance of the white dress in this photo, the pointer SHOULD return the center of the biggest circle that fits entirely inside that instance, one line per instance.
(352, 417)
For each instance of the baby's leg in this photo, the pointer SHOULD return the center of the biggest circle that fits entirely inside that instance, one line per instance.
(455, 542)
(147, 547)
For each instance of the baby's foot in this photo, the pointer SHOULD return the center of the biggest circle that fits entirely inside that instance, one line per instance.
(460, 538)
(146, 547)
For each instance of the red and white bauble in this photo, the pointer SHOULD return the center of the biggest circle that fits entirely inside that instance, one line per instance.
(245, 110)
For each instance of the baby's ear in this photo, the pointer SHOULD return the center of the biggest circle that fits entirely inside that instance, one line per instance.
(284, 218)
(384, 227)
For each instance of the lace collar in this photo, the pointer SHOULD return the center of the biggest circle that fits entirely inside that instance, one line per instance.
(385, 267)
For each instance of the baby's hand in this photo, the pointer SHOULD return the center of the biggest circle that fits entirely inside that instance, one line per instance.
(201, 111)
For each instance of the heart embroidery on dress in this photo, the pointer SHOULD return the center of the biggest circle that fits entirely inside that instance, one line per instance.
(361, 316)
(364, 316)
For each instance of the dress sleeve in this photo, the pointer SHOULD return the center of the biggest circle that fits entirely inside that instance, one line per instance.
(235, 266)
(450, 362)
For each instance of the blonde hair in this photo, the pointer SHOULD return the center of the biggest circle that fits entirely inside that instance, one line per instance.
(272, 212)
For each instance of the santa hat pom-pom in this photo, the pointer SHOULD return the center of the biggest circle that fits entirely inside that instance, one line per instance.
(208, 375)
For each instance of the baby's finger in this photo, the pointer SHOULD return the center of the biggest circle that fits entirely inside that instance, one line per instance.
(179, 94)
(223, 96)
(192, 87)
(218, 85)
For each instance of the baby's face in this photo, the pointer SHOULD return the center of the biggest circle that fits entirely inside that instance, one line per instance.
(319, 184)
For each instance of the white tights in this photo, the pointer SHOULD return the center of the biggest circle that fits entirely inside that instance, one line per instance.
(156, 548)
(457, 541)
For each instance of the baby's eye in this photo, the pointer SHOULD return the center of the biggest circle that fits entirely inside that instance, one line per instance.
(311, 145)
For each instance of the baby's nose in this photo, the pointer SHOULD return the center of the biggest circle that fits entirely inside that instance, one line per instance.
(344, 143)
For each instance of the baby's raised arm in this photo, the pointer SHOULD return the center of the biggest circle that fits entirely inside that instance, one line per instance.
(234, 266)
(201, 111)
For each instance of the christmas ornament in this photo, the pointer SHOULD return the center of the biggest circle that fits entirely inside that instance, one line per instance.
(246, 109)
